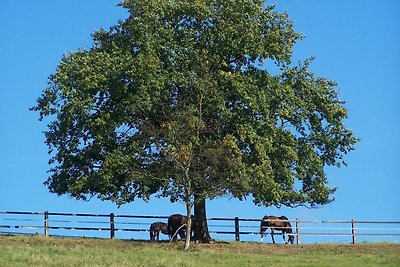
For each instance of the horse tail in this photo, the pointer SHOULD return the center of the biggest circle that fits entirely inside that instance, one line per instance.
(261, 226)
(169, 226)
(151, 232)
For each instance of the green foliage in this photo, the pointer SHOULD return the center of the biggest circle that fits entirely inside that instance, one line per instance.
(178, 101)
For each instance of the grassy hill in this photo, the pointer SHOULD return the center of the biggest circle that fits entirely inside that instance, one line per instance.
(42, 251)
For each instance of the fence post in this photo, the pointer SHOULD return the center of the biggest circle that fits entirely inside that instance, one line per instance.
(353, 231)
(298, 241)
(237, 236)
(46, 223)
(112, 226)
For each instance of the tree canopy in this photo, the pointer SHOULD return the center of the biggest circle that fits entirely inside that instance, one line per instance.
(179, 100)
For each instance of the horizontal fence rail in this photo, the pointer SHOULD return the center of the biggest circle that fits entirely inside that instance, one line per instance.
(108, 225)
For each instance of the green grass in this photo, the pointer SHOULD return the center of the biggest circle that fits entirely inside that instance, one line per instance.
(41, 251)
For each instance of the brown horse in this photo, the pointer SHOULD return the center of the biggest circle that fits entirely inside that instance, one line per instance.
(277, 223)
(177, 225)
(156, 228)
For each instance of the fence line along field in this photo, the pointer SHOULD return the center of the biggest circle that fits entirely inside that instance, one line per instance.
(228, 229)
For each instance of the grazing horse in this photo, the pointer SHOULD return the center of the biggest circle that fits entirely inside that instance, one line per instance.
(277, 223)
(177, 225)
(156, 228)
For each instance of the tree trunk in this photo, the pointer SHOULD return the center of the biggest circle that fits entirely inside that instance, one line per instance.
(188, 224)
(188, 190)
(201, 233)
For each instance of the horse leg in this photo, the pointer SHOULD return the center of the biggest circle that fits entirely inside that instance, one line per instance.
(262, 232)
(175, 235)
(182, 234)
(272, 235)
(283, 235)
(158, 235)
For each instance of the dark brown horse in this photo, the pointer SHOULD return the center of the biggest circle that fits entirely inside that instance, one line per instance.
(277, 223)
(177, 225)
(156, 228)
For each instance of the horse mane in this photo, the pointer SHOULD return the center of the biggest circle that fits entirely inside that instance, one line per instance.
(283, 217)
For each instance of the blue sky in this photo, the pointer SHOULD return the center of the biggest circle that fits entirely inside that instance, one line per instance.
(356, 43)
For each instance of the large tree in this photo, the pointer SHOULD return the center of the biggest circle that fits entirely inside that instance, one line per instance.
(179, 101)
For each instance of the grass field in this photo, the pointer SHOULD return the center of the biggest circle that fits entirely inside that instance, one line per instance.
(42, 251)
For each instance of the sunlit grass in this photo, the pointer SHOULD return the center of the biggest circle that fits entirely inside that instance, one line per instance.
(41, 251)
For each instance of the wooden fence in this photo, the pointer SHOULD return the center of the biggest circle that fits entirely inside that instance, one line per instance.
(54, 223)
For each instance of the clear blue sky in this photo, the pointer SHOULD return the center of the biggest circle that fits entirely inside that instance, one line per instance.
(356, 43)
